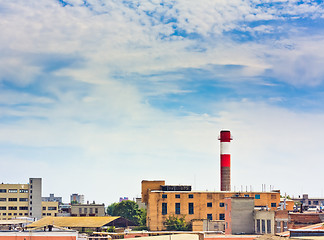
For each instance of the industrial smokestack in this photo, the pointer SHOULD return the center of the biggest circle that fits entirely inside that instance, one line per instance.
(225, 160)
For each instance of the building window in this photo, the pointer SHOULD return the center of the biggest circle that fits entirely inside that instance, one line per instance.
(26, 214)
(23, 190)
(20, 214)
(263, 226)
(23, 208)
(257, 196)
(258, 230)
(91, 211)
(12, 191)
(12, 208)
(210, 216)
(85, 210)
(44, 208)
(80, 210)
(278, 227)
(54, 208)
(221, 216)
(273, 204)
(3, 208)
(246, 195)
(48, 214)
(177, 196)
(164, 208)
(31, 202)
(268, 226)
(9, 214)
(164, 196)
(309, 202)
(44, 214)
(285, 226)
(3, 190)
(273, 196)
(221, 204)
(191, 208)
(3, 199)
(177, 208)
(31, 208)
(209, 196)
(23, 199)
(209, 204)
(315, 202)
(190, 196)
(96, 210)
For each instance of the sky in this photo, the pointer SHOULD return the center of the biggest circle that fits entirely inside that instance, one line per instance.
(96, 96)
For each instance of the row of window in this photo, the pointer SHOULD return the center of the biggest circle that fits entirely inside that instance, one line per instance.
(85, 210)
(177, 196)
(256, 196)
(14, 214)
(14, 190)
(50, 208)
(13, 199)
(263, 226)
(13, 208)
(221, 216)
(177, 208)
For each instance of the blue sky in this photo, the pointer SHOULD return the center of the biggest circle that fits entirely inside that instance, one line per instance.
(96, 96)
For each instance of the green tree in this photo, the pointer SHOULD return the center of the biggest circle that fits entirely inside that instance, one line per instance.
(110, 209)
(173, 223)
(129, 210)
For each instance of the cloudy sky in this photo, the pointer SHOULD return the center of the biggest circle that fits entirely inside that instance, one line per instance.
(97, 95)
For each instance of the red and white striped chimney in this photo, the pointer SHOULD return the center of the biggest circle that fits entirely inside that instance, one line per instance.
(225, 160)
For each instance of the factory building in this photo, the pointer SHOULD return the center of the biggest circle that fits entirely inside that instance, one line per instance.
(163, 201)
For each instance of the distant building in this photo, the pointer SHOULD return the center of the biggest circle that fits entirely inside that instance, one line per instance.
(52, 198)
(76, 198)
(24, 200)
(87, 210)
(123, 199)
(315, 204)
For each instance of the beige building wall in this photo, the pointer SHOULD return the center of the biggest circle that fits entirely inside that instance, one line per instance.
(14, 201)
(87, 210)
(264, 222)
(49, 209)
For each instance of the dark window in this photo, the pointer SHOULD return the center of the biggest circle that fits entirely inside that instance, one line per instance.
(273, 204)
(309, 202)
(221, 216)
(210, 216)
(54, 208)
(15, 214)
(20, 214)
(85, 210)
(48, 214)
(257, 196)
(12, 190)
(44, 214)
(221, 204)
(164, 208)
(9, 214)
(315, 202)
(258, 226)
(12, 208)
(209, 204)
(44, 208)
(91, 211)
(263, 226)
(268, 226)
(3, 190)
(190, 195)
(177, 196)
(164, 196)
(80, 210)
(177, 208)
(23, 190)
(96, 210)
(191, 208)
(31, 208)
(23, 199)
(23, 208)
(246, 195)
(4, 214)
(3, 199)
(3, 208)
